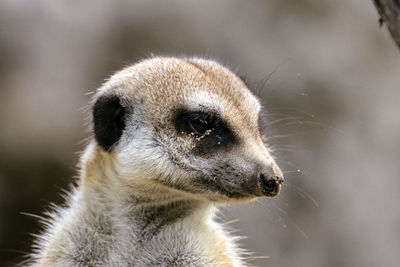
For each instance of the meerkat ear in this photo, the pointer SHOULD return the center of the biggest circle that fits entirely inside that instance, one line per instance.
(108, 121)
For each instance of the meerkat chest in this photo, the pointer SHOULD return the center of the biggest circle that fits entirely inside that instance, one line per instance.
(179, 246)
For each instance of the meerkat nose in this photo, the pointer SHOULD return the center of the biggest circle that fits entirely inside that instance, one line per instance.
(270, 184)
(280, 179)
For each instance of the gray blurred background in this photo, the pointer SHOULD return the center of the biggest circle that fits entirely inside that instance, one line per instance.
(326, 72)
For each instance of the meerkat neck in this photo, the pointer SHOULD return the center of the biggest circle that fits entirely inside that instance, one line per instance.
(117, 227)
(142, 203)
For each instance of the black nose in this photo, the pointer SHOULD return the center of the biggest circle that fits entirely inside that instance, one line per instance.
(270, 185)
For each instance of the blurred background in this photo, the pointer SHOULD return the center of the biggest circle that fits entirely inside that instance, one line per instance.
(327, 74)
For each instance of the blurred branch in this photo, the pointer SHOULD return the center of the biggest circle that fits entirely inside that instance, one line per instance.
(389, 11)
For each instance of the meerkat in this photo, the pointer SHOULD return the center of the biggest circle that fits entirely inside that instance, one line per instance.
(173, 138)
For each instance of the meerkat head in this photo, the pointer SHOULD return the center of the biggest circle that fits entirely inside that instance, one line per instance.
(188, 126)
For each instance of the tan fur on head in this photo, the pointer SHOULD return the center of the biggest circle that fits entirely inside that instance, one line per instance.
(172, 138)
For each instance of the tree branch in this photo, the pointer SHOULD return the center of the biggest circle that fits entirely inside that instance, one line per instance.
(389, 10)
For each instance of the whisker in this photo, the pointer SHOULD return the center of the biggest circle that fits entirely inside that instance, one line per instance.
(280, 218)
(283, 149)
(287, 135)
(288, 119)
(296, 171)
(300, 230)
(299, 111)
(288, 163)
(261, 84)
(291, 221)
(301, 193)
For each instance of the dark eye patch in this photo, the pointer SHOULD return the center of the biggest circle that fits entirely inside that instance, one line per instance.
(210, 132)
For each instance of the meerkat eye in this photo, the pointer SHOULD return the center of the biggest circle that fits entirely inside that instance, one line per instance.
(199, 123)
